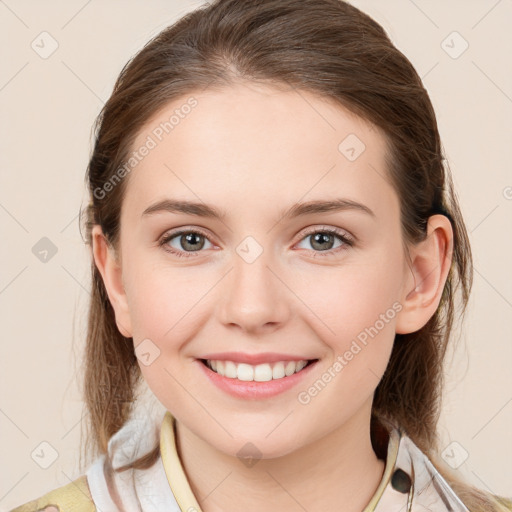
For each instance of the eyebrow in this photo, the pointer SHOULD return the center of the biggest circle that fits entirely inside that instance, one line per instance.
(297, 210)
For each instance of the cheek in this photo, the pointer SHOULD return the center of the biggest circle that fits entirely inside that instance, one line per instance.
(355, 319)
(348, 299)
(354, 311)
(164, 307)
(162, 299)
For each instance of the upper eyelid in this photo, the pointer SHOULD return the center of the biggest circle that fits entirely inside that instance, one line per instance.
(335, 230)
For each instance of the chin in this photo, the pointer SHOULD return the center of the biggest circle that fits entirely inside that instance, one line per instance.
(259, 446)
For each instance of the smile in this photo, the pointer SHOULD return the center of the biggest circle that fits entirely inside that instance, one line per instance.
(258, 373)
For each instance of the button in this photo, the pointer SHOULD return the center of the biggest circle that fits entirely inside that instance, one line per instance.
(401, 481)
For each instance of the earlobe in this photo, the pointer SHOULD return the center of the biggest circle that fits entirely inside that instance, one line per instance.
(110, 270)
(428, 268)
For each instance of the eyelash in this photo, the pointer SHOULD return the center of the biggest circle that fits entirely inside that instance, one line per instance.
(346, 239)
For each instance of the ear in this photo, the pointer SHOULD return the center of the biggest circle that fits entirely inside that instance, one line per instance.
(429, 265)
(110, 269)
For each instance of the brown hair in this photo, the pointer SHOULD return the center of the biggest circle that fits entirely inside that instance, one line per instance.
(336, 51)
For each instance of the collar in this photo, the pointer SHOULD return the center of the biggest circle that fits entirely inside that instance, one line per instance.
(410, 482)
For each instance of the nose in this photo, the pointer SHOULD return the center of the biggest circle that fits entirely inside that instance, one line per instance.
(254, 296)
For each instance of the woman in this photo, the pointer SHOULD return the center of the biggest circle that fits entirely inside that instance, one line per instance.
(237, 146)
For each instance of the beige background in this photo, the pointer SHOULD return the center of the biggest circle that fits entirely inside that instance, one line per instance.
(47, 109)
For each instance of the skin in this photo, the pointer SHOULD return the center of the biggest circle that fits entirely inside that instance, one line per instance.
(256, 150)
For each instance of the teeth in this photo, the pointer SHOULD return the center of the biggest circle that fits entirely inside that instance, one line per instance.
(259, 373)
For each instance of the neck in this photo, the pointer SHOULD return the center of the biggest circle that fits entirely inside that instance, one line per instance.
(340, 467)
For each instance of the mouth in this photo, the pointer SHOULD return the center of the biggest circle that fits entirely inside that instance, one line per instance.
(264, 372)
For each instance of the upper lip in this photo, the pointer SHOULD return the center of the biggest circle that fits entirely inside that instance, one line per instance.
(253, 359)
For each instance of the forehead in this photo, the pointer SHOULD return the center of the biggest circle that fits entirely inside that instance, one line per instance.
(255, 146)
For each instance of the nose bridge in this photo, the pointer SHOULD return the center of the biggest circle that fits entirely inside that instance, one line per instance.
(254, 295)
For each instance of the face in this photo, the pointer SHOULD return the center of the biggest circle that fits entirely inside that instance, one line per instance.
(269, 277)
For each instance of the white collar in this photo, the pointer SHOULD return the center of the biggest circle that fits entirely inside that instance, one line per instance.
(164, 485)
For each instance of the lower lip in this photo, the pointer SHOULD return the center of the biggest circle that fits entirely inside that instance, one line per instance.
(254, 389)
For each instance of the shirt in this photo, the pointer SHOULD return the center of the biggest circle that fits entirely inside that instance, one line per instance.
(410, 482)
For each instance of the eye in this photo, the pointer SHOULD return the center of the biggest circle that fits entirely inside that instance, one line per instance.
(188, 241)
(322, 240)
